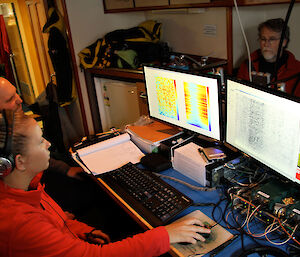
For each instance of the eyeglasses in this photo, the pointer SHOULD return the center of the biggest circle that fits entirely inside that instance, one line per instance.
(271, 40)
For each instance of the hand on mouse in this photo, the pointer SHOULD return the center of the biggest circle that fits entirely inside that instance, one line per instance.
(186, 230)
(97, 237)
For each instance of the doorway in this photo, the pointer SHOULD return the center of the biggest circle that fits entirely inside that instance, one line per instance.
(30, 63)
(14, 62)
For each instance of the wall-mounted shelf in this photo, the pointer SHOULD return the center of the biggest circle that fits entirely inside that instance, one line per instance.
(116, 6)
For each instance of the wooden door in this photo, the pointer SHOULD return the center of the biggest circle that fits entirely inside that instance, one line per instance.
(37, 13)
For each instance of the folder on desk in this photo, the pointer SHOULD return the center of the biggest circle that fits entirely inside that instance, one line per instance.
(148, 137)
(108, 155)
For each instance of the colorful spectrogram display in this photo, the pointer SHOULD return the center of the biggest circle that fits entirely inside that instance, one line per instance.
(167, 97)
(197, 105)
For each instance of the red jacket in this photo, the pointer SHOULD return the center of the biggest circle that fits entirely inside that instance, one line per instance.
(32, 224)
(291, 67)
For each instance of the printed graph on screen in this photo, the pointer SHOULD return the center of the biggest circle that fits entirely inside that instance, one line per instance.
(167, 97)
(197, 105)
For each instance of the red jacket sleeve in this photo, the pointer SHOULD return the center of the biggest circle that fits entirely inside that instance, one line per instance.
(33, 235)
(78, 228)
(243, 71)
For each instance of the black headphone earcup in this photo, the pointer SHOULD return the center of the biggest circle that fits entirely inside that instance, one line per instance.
(6, 165)
(7, 162)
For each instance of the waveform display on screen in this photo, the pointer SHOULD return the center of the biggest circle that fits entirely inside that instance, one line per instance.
(167, 97)
(197, 105)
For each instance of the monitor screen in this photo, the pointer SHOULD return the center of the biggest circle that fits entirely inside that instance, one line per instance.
(185, 100)
(265, 126)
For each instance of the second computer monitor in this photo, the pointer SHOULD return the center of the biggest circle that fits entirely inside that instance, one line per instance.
(266, 126)
(189, 101)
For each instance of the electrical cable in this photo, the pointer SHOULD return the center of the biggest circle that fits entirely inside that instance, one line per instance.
(282, 37)
(284, 242)
(214, 209)
(196, 188)
(203, 204)
(240, 231)
(59, 216)
(263, 250)
(290, 236)
(239, 228)
(245, 39)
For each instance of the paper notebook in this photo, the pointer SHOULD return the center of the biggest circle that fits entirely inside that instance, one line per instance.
(108, 155)
(218, 236)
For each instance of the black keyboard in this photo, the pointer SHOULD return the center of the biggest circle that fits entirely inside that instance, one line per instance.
(151, 197)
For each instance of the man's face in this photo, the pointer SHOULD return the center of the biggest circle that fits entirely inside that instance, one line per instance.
(9, 99)
(269, 43)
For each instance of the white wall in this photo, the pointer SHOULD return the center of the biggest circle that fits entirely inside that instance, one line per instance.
(88, 23)
(251, 16)
(185, 31)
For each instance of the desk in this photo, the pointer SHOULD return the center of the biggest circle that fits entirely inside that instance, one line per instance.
(197, 197)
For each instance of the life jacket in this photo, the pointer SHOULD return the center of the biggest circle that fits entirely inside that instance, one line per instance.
(126, 48)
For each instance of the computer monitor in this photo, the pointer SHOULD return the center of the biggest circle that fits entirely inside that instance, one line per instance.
(264, 125)
(189, 101)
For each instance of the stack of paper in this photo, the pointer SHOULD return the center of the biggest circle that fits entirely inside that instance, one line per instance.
(148, 137)
(188, 161)
(108, 155)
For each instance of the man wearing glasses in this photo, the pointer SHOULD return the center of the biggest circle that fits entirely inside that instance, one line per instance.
(263, 60)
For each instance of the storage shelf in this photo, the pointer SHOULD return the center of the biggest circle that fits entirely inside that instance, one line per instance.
(213, 3)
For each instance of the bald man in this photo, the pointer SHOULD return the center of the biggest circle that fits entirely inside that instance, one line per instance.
(10, 100)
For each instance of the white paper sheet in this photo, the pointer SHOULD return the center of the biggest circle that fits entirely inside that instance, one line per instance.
(188, 161)
(110, 154)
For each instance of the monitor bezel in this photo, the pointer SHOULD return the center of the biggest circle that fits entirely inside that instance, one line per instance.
(267, 90)
(195, 73)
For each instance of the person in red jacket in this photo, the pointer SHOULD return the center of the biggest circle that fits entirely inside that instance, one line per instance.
(33, 224)
(264, 59)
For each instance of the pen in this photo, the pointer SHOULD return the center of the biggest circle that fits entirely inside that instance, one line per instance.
(221, 247)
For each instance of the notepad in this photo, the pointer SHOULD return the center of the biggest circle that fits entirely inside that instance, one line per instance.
(109, 155)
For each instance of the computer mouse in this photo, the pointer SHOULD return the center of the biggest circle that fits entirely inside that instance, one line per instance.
(205, 235)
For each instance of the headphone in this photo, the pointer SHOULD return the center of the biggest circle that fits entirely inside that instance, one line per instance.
(7, 162)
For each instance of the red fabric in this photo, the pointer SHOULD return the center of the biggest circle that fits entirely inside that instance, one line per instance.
(26, 229)
(36, 180)
(5, 50)
(4, 37)
(290, 68)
